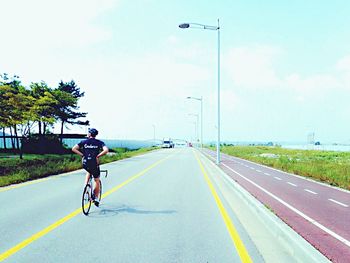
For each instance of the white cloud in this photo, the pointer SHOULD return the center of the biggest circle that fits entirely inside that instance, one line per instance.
(195, 53)
(312, 85)
(229, 101)
(41, 25)
(256, 68)
(136, 92)
(343, 64)
(44, 39)
(321, 85)
(172, 40)
(252, 67)
(125, 93)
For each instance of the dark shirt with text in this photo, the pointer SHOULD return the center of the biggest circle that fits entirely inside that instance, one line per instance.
(91, 147)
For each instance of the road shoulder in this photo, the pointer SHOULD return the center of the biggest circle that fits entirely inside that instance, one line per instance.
(275, 240)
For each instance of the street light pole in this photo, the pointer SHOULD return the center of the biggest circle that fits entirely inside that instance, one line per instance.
(201, 100)
(218, 140)
(195, 134)
(201, 122)
(197, 125)
(217, 28)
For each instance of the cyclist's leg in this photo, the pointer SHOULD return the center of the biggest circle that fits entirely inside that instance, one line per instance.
(87, 177)
(87, 169)
(95, 171)
(97, 188)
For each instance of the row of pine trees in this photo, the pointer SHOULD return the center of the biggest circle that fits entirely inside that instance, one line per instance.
(36, 108)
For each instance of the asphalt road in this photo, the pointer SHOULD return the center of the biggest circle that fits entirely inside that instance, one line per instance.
(166, 206)
(318, 212)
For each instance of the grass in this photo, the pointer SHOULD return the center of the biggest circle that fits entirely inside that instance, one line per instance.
(325, 166)
(15, 170)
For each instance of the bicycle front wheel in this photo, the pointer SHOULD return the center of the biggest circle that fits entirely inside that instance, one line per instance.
(86, 200)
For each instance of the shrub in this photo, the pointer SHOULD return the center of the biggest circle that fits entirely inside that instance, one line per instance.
(48, 144)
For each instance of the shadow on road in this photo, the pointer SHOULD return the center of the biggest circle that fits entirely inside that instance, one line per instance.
(106, 210)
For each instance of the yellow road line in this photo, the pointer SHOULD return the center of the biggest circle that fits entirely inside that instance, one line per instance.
(53, 226)
(242, 251)
(133, 178)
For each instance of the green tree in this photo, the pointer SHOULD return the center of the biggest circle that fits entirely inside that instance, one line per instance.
(44, 107)
(4, 108)
(68, 95)
(6, 83)
(15, 104)
(21, 108)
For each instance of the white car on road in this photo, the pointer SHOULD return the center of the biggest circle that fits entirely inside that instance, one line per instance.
(168, 143)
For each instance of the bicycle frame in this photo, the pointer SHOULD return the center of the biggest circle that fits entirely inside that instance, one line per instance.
(90, 182)
(86, 206)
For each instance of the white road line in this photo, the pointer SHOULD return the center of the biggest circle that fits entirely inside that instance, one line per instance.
(267, 174)
(311, 220)
(337, 202)
(258, 171)
(295, 175)
(292, 184)
(311, 192)
(252, 168)
(277, 178)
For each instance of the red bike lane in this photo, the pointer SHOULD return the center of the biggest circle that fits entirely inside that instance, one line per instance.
(319, 213)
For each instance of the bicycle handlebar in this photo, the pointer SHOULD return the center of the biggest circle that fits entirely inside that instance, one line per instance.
(104, 171)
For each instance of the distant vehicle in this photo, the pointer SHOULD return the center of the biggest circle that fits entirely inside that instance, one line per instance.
(168, 143)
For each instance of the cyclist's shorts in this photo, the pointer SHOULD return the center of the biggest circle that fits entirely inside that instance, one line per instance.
(91, 166)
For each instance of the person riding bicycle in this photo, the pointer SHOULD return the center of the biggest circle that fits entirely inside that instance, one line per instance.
(91, 150)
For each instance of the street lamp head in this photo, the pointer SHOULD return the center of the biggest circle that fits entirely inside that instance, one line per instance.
(195, 98)
(184, 25)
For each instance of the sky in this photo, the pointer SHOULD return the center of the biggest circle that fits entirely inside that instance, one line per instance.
(284, 70)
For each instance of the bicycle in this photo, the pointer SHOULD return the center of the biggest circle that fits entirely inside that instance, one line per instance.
(88, 193)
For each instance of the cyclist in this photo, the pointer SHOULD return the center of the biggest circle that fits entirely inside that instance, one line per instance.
(91, 150)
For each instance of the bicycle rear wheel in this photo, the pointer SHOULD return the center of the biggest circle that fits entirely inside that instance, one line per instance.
(86, 200)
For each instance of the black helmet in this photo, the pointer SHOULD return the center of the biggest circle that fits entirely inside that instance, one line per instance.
(93, 132)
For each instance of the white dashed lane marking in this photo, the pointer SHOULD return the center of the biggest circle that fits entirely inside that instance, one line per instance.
(292, 184)
(337, 202)
(309, 219)
(311, 192)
